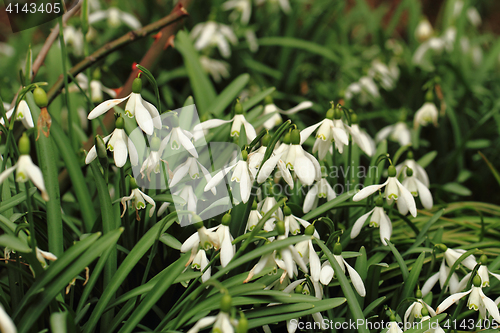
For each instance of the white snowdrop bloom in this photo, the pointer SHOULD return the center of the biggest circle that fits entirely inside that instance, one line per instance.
(251, 38)
(414, 311)
(309, 255)
(394, 190)
(289, 254)
(330, 130)
(96, 88)
(253, 218)
(327, 271)
(473, 16)
(237, 121)
(377, 218)
(477, 301)
(424, 30)
(209, 34)
(449, 258)
(200, 262)
(42, 256)
(203, 237)
(216, 68)
(120, 144)
(398, 132)
(7, 49)
(145, 113)
(483, 273)
(418, 171)
(276, 119)
(365, 88)
(359, 137)
(26, 169)
(179, 137)
(267, 204)
(138, 200)
(418, 189)
(267, 260)
(222, 323)
(23, 113)
(293, 223)
(284, 4)
(6, 323)
(388, 75)
(320, 189)
(152, 162)
(115, 17)
(241, 174)
(394, 327)
(192, 167)
(73, 38)
(276, 160)
(427, 114)
(227, 249)
(241, 8)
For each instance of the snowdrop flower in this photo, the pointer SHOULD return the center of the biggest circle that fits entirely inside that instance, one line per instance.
(115, 18)
(398, 132)
(192, 167)
(365, 88)
(478, 301)
(331, 129)
(200, 262)
(378, 218)
(327, 271)
(241, 8)
(304, 165)
(483, 272)
(238, 120)
(284, 4)
(267, 260)
(359, 137)
(242, 174)
(74, 38)
(120, 144)
(449, 258)
(251, 38)
(6, 323)
(394, 191)
(152, 162)
(309, 255)
(222, 322)
(227, 249)
(424, 30)
(428, 113)
(199, 242)
(289, 254)
(387, 75)
(145, 113)
(417, 188)
(96, 88)
(138, 199)
(473, 16)
(276, 160)
(293, 223)
(253, 218)
(320, 189)
(268, 203)
(189, 198)
(211, 33)
(26, 169)
(276, 119)
(393, 326)
(418, 171)
(216, 68)
(433, 328)
(179, 137)
(23, 113)
(41, 256)
(414, 311)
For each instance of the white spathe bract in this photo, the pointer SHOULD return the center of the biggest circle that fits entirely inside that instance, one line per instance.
(120, 144)
(138, 199)
(145, 113)
(209, 34)
(427, 114)
(26, 170)
(378, 218)
(23, 113)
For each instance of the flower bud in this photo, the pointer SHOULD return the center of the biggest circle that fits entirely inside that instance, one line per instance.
(266, 139)
(24, 145)
(476, 281)
(155, 143)
(100, 147)
(409, 172)
(137, 85)
(280, 228)
(287, 211)
(392, 171)
(337, 249)
(120, 123)
(40, 96)
(226, 303)
(242, 324)
(295, 137)
(442, 247)
(226, 219)
(238, 108)
(133, 183)
(309, 230)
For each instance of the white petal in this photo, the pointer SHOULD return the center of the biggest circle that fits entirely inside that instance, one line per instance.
(367, 191)
(310, 198)
(120, 151)
(6, 323)
(250, 131)
(314, 263)
(450, 300)
(245, 185)
(424, 194)
(326, 274)
(304, 134)
(408, 198)
(299, 107)
(7, 173)
(385, 227)
(134, 156)
(304, 168)
(490, 306)
(105, 106)
(356, 280)
(153, 111)
(408, 312)
(180, 172)
(429, 284)
(143, 117)
(202, 323)
(358, 225)
(186, 143)
(267, 168)
(217, 178)
(35, 175)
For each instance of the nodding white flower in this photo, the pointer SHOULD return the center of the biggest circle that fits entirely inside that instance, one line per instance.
(242, 174)
(115, 18)
(241, 8)
(251, 38)
(267, 204)
(6, 323)
(321, 189)
(120, 144)
(222, 322)
(73, 39)
(293, 223)
(428, 113)
(96, 88)
(417, 188)
(433, 327)
(394, 190)
(199, 242)
(388, 75)
(26, 169)
(192, 167)
(478, 301)
(414, 311)
(359, 137)
(327, 271)
(276, 119)
(267, 260)
(284, 4)
(378, 218)
(473, 16)
(449, 258)
(268, 167)
(365, 88)
(238, 120)
(152, 162)
(179, 137)
(145, 113)
(253, 218)
(227, 249)
(209, 34)
(23, 113)
(331, 129)
(398, 132)
(289, 254)
(216, 68)
(200, 262)
(424, 30)
(483, 272)
(309, 255)
(394, 327)
(41, 256)
(138, 199)
(418, 171)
